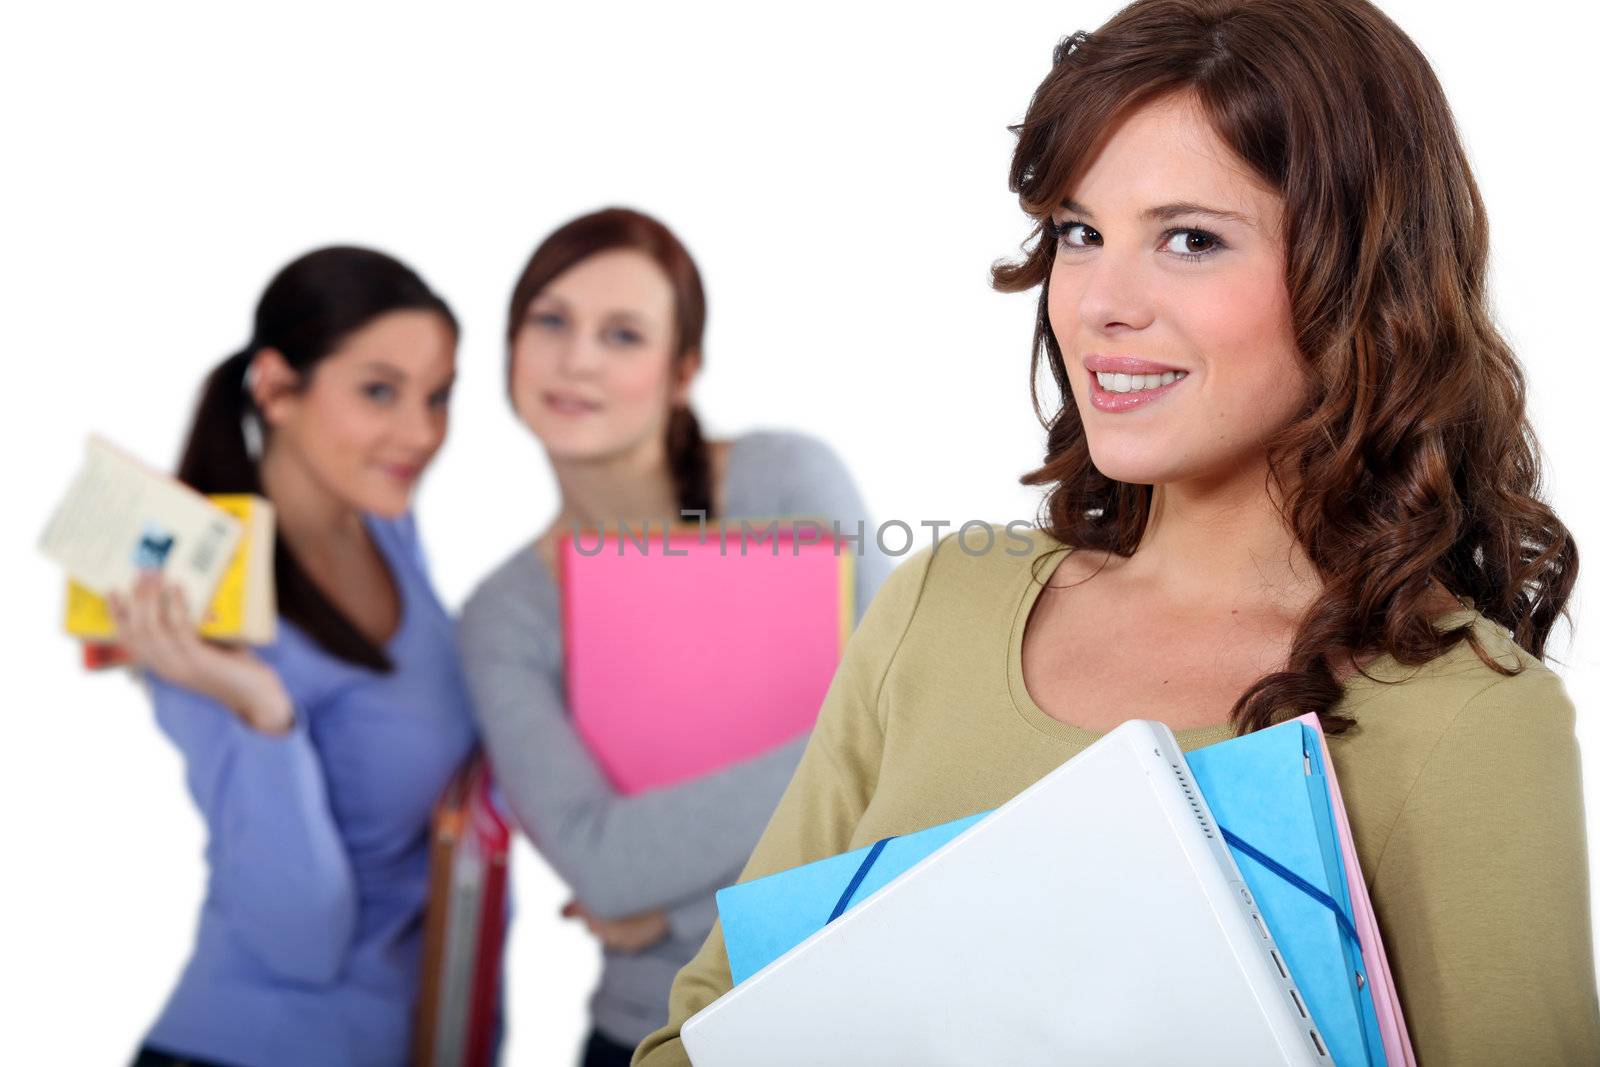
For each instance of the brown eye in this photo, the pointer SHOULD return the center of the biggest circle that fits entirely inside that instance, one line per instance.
(1070, 233)
(1190, 244)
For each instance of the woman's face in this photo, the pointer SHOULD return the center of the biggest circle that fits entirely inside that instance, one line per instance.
(592, 372)
(371, 415)
(1170, 269)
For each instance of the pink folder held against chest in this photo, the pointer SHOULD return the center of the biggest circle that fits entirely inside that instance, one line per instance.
(688, 653)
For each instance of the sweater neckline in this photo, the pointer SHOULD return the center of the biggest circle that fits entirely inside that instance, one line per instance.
(399, 574)
(1034, 579)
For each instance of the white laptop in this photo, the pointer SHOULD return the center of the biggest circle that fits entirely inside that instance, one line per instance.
(1096, 918)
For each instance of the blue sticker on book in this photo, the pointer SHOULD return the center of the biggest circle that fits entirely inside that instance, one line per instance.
(155, 545)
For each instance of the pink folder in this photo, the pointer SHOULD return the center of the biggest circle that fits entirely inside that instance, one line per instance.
(679, 665)
(1385, 999)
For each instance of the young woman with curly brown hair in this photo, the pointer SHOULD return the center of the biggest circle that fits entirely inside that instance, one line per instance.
(1291, 470)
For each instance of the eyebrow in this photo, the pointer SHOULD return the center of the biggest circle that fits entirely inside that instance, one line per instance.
(389, 370)
(1168, 212)
(632, 318)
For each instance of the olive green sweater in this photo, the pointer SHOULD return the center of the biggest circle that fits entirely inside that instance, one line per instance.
(1461, 784)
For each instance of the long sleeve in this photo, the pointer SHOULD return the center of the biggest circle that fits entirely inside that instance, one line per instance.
(1482, 887)
(621, 855)
(690, 838)
(825, 799)
(279, 871)
(691, 918)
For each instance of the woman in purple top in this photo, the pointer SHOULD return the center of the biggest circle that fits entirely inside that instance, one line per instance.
(316, 760)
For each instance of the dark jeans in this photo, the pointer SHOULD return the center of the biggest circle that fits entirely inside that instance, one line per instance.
(155, 1057)
(601, 1051)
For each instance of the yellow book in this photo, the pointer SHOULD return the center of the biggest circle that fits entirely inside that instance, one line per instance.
(244, 606)
(120, 516)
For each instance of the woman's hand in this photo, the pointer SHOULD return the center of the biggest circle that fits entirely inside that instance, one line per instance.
(154, 625)
(632, 934)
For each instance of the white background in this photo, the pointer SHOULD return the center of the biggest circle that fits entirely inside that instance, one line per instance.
(839, 171)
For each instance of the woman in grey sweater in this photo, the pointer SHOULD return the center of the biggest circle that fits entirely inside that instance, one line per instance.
(604, 335)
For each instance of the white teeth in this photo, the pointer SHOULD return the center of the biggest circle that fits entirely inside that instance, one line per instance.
(1132, 383)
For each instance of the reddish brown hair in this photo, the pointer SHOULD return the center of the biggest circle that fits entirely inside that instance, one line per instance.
(616, 228)
(1413, 461)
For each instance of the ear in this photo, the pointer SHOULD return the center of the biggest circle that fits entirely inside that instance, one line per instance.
(687, 369)
(273, 385)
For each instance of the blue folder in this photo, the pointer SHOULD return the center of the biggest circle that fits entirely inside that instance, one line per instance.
(1266, 791)
(764, 918)
(1269, 796)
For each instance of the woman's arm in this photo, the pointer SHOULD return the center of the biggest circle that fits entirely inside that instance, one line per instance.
(600, 841)
(831, 788)
(1482, 887)
(278, 867)
(620, 855)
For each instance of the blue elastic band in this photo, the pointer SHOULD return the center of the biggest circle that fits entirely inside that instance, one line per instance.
(855, 883)
(1236, 842)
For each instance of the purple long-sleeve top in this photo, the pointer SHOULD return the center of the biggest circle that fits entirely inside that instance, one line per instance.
(308, 947)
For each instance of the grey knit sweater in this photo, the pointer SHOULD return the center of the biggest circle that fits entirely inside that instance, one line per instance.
(668, 848)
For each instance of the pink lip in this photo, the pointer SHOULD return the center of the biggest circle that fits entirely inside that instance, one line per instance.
(1096, 362)
(401, 473)
(1112, 403)
(552, 399)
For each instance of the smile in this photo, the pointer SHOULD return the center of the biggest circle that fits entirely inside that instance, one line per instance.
(567, 404)
(401, 472)
(1124, 392)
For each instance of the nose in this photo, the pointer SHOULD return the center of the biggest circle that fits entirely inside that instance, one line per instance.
(579, 354)
(1115, 293)
(422, 427)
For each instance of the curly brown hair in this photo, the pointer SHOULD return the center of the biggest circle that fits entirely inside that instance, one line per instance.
(1412, 461)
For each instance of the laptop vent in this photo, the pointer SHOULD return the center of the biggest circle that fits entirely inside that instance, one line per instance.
(1187, 786)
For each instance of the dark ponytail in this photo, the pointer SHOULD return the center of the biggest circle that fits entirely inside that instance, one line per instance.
(688, 455)
(217, 459)
(306, 312)
(690, 460)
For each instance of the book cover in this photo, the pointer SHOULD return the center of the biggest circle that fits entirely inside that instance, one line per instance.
(120, 516)
(244, 606)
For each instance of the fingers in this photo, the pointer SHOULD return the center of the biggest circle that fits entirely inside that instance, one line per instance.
(150, 599)
(625, 935)
(153, 624)
(175, 610)
(131, 613)
(610, 934)
(620, 935)
(605, 931)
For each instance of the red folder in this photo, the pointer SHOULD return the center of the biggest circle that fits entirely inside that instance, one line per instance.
(464, 926)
